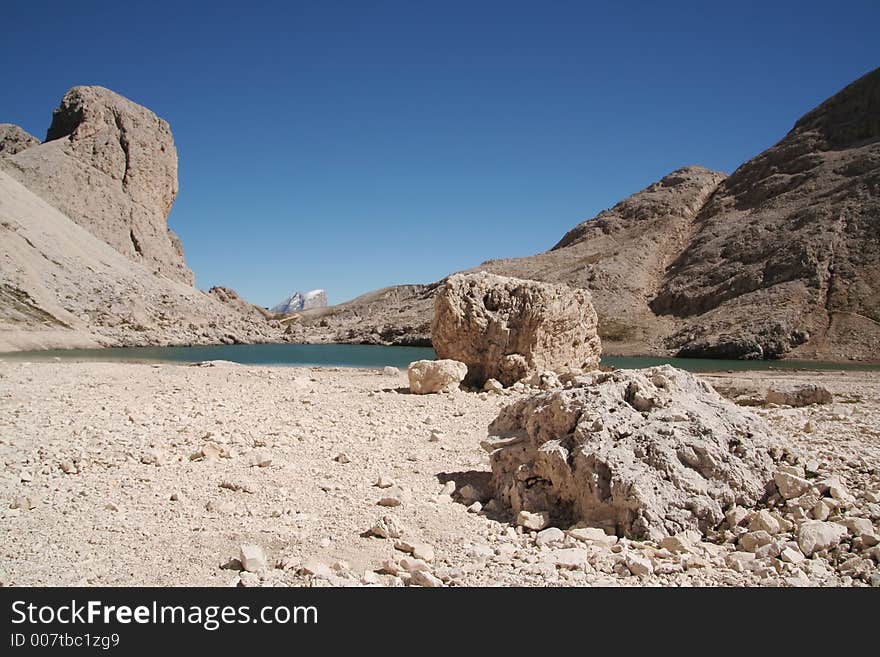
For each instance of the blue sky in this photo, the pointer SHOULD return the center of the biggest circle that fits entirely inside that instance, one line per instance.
(354, 145)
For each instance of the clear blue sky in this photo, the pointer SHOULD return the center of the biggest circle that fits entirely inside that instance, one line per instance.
(353, 145)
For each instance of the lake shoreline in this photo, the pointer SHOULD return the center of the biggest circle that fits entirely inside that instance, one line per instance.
(378, 356)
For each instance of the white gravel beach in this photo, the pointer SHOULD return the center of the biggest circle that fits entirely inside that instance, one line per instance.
(139, 474)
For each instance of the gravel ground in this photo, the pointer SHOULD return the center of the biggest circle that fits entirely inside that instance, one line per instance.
(138, 474)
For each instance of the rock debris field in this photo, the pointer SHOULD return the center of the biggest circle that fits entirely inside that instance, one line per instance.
(230, 475)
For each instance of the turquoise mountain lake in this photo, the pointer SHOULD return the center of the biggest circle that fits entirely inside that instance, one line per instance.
(369, 356)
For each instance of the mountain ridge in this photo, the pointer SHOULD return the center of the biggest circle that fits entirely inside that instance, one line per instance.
(779, 259)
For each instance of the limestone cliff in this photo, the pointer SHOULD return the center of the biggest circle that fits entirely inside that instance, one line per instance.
(111, 166)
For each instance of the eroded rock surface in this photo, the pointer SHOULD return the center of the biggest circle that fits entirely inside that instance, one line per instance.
(508, 329)
(428, 376)
(642, 453)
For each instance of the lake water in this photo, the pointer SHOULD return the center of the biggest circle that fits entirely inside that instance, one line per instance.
(369, 356)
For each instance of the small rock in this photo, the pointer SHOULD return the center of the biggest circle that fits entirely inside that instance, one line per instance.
(412, 565)
(858, 526)
(570, 558)
(768, 551)
(835, 487)
(549, 535)
(790, 485)
(533, 520)
(252, 558)
(470, 494)
(389, 501)
(67, 467)
(806, 501)
(493, 385)
(433, 376)
(153, 457)
(223, 507)
(387, 527)
(260, 458)
(316, 568)
(638, 565)
(763, 520)
(798, 395)
(384, 482)
(23, 502)
(448, 488)
(815, 535)
(751, 541)
(676, 544)
(248, 580)
(423, 551)
(426, 579)
(238, 486)
(592, 535)
(739, 561)
(821, 511)
(736, 516)
(389, 567)
(370, 579)
(791, 555)
(476, 507)
(390, 371)
(342, 458)
(210, 451)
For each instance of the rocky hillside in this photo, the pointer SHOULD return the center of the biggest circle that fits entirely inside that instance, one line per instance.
(780, 259)
(86, 258)
(786, 260)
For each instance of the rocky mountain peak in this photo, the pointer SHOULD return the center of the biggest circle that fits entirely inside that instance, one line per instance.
(111, 166)
(680, 193)
(848, 118)
(14, 139)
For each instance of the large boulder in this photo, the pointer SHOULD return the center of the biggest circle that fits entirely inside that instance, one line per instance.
(111, 166)
(640, 453)
(427, 376)
(508, 329)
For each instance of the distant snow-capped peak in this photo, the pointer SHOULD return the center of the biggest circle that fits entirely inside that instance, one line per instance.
(301, 301)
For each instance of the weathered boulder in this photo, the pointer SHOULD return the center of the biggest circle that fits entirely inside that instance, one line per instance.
(643, 453)
(111, 166)
(805, 394)
(427, 376)
(507, 328)
(14, 139)
(815, 535)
